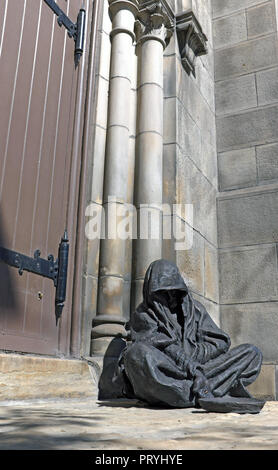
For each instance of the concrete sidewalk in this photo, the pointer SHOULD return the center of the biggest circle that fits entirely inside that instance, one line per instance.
(129, 425)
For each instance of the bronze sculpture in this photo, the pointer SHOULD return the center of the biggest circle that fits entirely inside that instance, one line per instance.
(178, 356)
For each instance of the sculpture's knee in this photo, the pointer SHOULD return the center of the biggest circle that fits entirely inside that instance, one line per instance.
(253, 351)
(136, 355)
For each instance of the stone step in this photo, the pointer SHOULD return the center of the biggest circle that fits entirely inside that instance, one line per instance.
(24, 377)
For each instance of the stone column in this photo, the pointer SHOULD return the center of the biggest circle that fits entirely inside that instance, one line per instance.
(110, 319)
(153, 32)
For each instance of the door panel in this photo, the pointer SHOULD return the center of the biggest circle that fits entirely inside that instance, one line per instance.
(40, 87)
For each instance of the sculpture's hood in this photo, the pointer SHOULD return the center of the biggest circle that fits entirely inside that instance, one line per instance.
(162, 275)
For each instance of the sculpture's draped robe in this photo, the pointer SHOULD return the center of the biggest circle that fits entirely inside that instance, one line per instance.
(167, 348)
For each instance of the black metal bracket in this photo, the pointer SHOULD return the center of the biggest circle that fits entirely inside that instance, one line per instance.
(56, 270)
(75, 30)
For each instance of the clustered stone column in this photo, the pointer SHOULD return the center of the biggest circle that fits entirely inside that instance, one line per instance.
(109, 321)
(153, 27)
(153, 32)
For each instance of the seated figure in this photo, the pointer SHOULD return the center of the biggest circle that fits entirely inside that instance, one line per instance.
(177, 354)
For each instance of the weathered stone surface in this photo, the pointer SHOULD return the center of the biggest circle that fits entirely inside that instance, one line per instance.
(169, 173)
(168, 244)
(201, 9)
(105, 52)
(191, 140)
(267, 86)
(151, 97)
(264, 386)
(90, 286)
(111, 300)
(211, 290)
(248, 274)
(126, 300)
(237, 169)
(191, 264)
(169, 121)
(248, 217)
(183, 5)
(247, 129)
(267, 161)
(196, 96)
(28, 377)
(207, 125)
(189, 97)
(89, 309)
(236, 94)
(254, 323)
(169, 76)
(205, 83)
(97, 167)
(194, 188)
(146, 251)
(137, 294)
(102, 102)
(230, 30)
(261, 20)
(246, 57)
(151, 54)
(106, 24)
(221, 8)
(71, 425)
(209, 163)
(212, 308)
(207, 60)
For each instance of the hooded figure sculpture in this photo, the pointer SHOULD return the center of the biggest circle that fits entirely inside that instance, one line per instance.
(177, 354)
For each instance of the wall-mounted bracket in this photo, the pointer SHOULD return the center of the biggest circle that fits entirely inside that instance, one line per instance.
(75, 30)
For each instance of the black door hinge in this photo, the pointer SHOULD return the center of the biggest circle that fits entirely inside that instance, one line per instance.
(52, 269)
(75, 30)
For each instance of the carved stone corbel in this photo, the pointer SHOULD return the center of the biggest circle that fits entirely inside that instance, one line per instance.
(191, 40)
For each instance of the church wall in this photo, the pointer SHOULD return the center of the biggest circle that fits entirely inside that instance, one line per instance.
(246, 97)
(189, 164)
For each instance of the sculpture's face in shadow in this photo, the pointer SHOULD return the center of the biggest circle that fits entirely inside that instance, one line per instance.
(172, 298)
(175, 298)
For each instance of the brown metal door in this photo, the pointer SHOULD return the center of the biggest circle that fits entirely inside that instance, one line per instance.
(41, 109)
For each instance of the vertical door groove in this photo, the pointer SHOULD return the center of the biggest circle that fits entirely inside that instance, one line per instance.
(13, 96)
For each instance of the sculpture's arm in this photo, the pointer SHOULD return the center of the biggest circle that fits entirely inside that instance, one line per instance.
(211, 340)
(146, 327)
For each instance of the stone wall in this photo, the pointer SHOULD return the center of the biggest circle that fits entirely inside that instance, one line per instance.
(189, 164)
(246, 96)
(229, 105)
(190, 159)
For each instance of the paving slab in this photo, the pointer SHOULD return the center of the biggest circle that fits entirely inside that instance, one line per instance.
(130, 425)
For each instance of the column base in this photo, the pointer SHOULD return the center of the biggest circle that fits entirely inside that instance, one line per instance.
(107, 347)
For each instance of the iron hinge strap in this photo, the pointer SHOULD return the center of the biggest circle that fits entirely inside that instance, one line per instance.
(75, 30)
(56, 270)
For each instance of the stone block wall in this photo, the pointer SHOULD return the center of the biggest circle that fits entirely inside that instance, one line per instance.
(220, 155)
(189, 163)
(190, 159)
(246, 97)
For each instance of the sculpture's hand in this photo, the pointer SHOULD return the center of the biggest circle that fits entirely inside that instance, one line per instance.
(201, 388)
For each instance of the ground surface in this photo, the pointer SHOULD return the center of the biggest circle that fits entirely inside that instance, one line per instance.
(128, 425)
